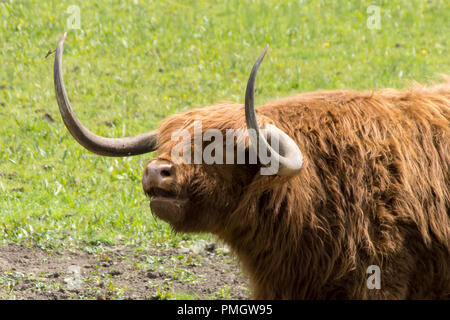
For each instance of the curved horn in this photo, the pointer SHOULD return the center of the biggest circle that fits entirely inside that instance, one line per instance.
(111, 147)
(289, 158)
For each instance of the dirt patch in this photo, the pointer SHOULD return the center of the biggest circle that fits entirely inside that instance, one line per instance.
(203, 271)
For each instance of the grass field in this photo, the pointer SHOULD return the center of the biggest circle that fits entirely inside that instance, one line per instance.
(133, 63)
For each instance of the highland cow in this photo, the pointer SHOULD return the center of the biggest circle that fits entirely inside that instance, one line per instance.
(363, 181)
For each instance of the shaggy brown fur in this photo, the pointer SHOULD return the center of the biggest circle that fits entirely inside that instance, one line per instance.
(373, 190)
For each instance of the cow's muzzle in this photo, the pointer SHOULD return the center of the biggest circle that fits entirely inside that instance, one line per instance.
(159, 182)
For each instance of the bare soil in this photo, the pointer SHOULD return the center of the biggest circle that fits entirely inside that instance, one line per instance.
(205, 272)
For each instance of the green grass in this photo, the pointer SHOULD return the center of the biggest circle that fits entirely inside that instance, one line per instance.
(134, 63)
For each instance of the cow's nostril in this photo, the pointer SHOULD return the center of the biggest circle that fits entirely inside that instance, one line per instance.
(158, 175)
(165, 173)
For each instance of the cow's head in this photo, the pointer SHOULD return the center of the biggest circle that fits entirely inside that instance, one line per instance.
(188, 192)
